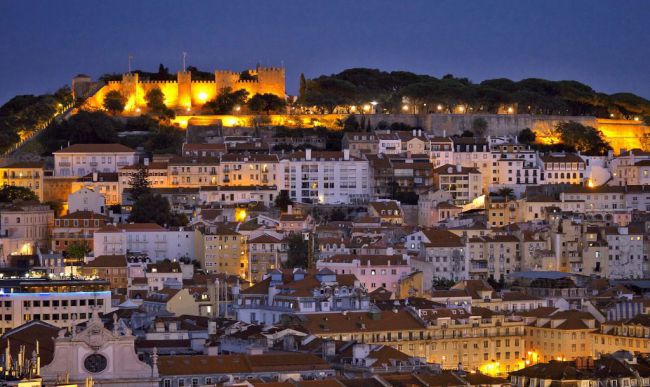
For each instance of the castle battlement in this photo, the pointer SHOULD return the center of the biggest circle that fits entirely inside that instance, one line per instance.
(247, 81)
(185, 92)
(158, 82)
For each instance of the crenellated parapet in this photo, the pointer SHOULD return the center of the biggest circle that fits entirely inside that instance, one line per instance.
(186, 93)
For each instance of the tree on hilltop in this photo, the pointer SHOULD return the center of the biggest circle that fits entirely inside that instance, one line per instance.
(585, 139)
(479, 127)
(226, 101)
(526, 136)
(114, 102)
(266, 103)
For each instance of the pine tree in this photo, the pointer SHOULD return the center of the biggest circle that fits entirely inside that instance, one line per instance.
(303, 87)
(139, 182)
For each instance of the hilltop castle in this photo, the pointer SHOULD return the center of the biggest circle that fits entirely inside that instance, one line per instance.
(183, 93)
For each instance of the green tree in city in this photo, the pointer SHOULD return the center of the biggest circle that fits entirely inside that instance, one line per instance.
(114, 102)
(77, 250)
(156, 104)
(266, 103)
(153, 208)
(139, 183)
(10, 193)
(526, 136)
(226, 101)
(283, 201)
(585, 139)
(297, 251)
(479, 127)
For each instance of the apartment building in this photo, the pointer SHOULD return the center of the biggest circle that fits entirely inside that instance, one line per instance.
(442, 151)
(266, 252)
(360, 143)
(552, 334)
(374, 271)
(77, 228)
(193, 171)
(223, 250)
(324, 177)
(248, 170)
(239, 194)
(61, 302)
(24, 174)
(628, 335)
(149, 239)
(463, 183)
(82, 159)
(562, 168)
(112, 268)
(298, 292)
(479, 341)
(474, 152)
(105, 183)
(27, 223)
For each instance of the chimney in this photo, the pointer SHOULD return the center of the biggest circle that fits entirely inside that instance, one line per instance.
(95, 176)
(459, 168)
(346, 154)
(415, 132)
(419, 132)
(289, 209)
(146, 161)
(308, 154)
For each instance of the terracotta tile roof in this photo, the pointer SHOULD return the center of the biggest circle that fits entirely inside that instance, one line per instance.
(108, 261)
(238, 364)
(265, 238)
(85, 215)
(26, 165)
(330, 323)
(449, 169)
(367, 260)
(27, 335)
(442, 238)
(131, 227)
(96, 148)
(561, 158)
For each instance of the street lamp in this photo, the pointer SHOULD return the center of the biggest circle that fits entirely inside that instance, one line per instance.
(405, 107)
(439, 107)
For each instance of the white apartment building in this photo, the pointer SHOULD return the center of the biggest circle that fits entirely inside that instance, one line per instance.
(626, 257)
(626, 167)
(389, 143)
(474, 152)
(87, 199)
(563, 168)
(50, 300)
(25, 225)
(441, 151)
(147, 238)
(82, 159)
(325, 177)
(239, 194)
(514, 164)
(605, 199)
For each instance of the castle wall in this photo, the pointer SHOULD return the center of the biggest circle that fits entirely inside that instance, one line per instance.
(185, 93)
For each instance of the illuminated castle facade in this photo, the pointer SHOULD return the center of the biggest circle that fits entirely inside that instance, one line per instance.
(184, 93)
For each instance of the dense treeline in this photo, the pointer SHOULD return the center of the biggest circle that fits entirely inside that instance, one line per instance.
(26, 113)
(359, 86)
(100, 128)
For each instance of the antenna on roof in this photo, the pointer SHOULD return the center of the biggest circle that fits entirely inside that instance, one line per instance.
(184, 56)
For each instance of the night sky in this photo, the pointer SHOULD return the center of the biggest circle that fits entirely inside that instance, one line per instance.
(605, 44)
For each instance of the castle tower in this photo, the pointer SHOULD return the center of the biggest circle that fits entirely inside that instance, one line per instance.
(81, 86)
(184, 89)
(129, 90)
(271, 80)
(224, 78)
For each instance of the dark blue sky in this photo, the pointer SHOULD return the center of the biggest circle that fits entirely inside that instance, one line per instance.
(603, 43)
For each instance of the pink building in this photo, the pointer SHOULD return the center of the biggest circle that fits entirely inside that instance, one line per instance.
(374, 271)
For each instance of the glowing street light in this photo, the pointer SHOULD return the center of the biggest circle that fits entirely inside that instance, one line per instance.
(510, 109)
(353, 108)
(374, 103)
(137, 110)
(405, 107)
(636, 118)
(366, 108)
(461, 109)
(237, 108)
(439, 107)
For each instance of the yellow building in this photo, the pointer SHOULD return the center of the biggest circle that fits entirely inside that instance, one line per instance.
(224, 251)
(482, 340)
(630, 335)
(501, 211)
(193, 171)
(24, 174)
(248, 170)
(558, 335)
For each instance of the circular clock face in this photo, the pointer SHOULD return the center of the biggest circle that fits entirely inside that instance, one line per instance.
(95, 363)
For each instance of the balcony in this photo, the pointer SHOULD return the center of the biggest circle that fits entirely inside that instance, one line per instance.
(65, 164)
(94, 163)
